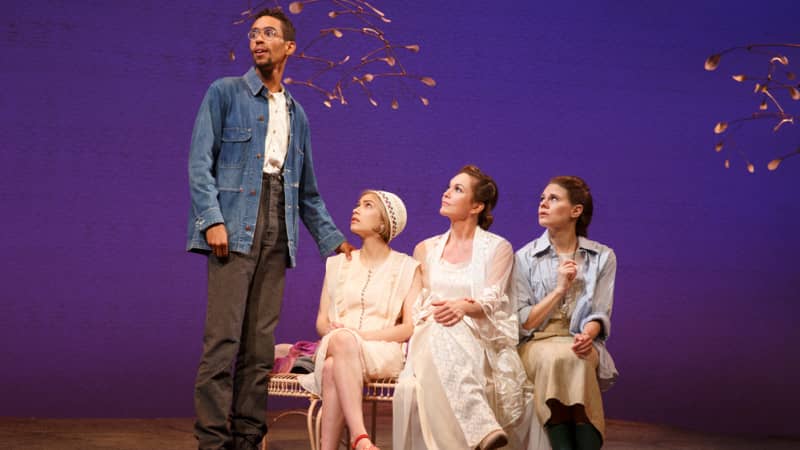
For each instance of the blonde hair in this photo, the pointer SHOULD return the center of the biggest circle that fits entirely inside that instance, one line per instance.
(384, 231)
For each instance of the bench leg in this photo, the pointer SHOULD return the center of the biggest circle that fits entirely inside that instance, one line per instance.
(313, 418)
(374, 428)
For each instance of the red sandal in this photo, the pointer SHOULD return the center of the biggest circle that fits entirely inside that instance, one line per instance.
(359, 438)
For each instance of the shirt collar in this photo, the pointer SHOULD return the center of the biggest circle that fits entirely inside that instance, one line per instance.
(256, 85)
(542, 244)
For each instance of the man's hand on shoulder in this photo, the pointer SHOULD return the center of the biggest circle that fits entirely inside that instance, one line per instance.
(217, 238)
(345, 248)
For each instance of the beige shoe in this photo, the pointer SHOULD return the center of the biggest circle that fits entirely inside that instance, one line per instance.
(493, 440)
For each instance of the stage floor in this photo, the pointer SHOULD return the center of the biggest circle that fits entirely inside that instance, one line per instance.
(289, 433)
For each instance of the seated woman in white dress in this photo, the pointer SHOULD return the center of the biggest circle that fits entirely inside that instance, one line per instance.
(564, 287)
(463, 386)
(364, 316)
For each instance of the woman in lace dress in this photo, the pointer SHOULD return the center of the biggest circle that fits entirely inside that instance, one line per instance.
(463, 386)
(564, 289)
(364, 316)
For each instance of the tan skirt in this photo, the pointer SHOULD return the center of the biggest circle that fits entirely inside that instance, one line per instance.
(558, 374)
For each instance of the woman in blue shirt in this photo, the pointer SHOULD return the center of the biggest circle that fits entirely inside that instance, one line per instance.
(564, 287)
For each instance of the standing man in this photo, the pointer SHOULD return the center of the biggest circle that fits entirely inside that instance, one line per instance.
(251, 175)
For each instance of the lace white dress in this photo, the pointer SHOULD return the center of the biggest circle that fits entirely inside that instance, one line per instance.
(464, 381)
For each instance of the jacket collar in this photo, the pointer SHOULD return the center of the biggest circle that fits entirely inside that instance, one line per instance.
(542, 244)
(256, 86)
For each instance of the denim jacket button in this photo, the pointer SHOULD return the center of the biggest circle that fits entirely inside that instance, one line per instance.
(241, 189)
(247, 227)
(253, 192)
(258, 155)
(260, 118)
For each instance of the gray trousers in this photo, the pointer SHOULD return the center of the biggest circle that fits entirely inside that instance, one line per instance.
(245, 293)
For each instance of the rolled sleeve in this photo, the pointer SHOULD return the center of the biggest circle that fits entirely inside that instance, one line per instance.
(522, 292)
(524, 312)
(207, 218)
(604, 320)
(603, 300)
(329, 243)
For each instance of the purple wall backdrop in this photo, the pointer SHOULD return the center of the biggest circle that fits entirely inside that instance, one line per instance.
(102, 311)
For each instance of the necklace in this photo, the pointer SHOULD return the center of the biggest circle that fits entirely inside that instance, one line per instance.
(566, 300)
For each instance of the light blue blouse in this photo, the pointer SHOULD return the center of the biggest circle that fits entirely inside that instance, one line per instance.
(535, 274)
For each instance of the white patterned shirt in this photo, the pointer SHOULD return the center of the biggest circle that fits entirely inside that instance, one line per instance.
(277, 141)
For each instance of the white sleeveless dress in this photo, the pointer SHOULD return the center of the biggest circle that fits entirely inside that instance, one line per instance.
(364, 299)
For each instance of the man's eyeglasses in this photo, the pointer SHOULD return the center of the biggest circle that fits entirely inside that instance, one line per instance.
(269, 34)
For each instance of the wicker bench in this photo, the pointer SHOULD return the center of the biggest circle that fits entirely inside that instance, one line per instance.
(287, 385)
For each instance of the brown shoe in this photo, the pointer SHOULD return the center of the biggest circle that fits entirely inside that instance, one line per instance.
(493, 440)
(246, 442)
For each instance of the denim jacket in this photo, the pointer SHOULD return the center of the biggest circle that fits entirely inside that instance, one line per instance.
(535, 273)
(226, 164)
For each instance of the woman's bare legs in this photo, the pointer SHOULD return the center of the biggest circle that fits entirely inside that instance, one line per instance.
(332, 417)
(346, 374)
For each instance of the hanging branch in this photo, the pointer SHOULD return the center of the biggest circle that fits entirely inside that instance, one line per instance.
(779, 81)
(331, 73)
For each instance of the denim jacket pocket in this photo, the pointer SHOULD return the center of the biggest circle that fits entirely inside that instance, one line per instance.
(234, 146)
